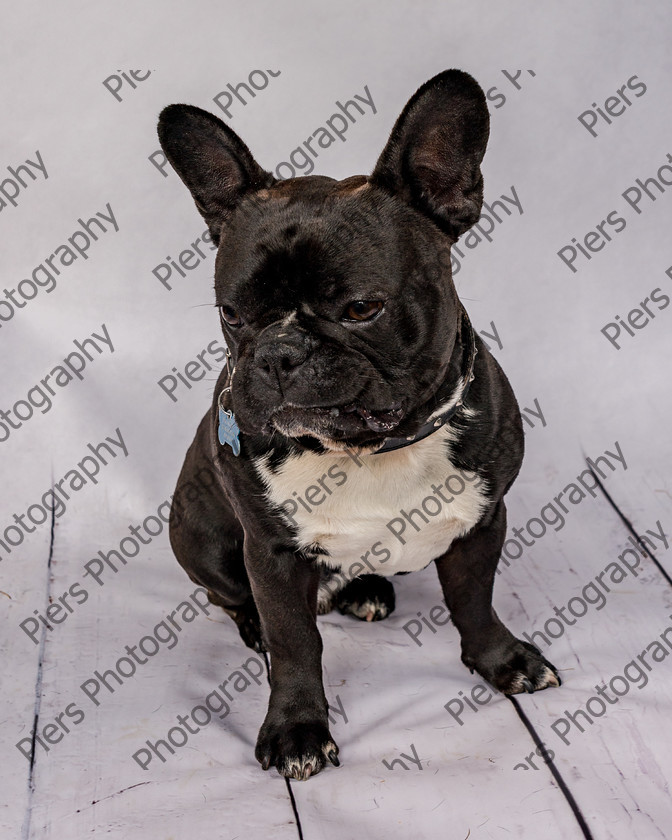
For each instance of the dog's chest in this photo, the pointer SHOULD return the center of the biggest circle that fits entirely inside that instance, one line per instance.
(384, 513)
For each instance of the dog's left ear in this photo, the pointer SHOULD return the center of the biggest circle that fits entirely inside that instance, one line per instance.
(214, 163)
(432, 159)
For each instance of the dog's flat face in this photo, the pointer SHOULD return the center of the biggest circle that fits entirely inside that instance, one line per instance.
(336, 297)
(340, 322)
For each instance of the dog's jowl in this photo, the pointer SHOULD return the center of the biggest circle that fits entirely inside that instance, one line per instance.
(360, 427)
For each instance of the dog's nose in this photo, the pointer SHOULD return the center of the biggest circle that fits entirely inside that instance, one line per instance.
(277, 359)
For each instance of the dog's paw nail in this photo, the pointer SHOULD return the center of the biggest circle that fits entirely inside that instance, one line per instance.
(298, 751)
(527, 685)
(333, 757)
(553, 678)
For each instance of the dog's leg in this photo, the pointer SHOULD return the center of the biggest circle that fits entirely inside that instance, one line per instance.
(207, 540)
(246, 618)
(295, 735)
(213, 558)
(467, 573)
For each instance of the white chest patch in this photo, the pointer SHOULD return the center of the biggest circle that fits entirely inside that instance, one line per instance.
(382, 513)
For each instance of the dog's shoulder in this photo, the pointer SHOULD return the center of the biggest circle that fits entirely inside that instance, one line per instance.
(490, 435)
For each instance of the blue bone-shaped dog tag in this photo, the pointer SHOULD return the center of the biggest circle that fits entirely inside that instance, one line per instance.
(228, 430)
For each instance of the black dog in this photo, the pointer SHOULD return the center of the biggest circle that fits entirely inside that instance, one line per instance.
(361, 428)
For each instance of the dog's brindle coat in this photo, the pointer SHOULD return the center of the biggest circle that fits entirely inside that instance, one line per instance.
(338, 304)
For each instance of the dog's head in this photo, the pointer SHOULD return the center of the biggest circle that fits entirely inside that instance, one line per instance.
(336, 297)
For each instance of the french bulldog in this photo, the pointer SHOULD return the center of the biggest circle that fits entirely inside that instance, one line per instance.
(360, 428)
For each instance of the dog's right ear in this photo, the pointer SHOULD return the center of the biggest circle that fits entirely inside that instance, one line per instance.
(432, 159)
(212, 160)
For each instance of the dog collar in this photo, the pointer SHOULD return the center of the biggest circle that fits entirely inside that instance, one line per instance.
(435, 423)
(228, 432)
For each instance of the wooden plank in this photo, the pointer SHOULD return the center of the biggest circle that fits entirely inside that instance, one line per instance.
(618, 765)
(89, 780)
(26, 583)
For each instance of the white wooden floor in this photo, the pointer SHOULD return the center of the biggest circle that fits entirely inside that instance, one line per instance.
(387, 696)
(409, 768)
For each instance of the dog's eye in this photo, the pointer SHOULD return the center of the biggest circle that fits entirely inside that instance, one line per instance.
(230, 316)
(362, 310)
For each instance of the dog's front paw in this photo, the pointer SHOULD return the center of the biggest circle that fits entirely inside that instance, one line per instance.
(297, 750)
(369, 598)
(516, 668)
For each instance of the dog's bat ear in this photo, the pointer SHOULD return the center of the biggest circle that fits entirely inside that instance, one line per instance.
(432, 159)
(211, 159)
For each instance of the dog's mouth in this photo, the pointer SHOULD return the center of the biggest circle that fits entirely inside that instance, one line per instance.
(377, 421)
(336, 421)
